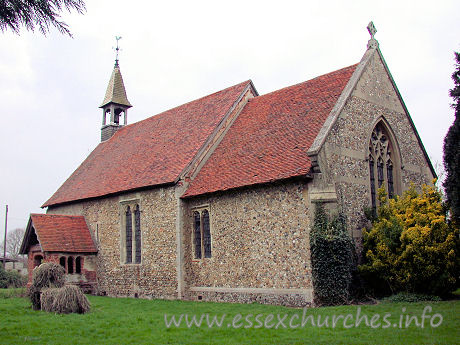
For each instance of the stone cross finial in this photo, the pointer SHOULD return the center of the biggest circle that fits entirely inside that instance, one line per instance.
(372, 30)
(117, 49)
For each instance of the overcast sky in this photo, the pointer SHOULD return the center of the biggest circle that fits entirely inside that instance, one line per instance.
(177, 51)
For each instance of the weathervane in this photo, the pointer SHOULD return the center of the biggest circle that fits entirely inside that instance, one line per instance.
(117, 49)
(373, 43)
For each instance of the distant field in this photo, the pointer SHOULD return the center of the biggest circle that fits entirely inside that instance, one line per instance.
(136, 321)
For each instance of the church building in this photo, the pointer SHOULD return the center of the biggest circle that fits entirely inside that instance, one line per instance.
(214, 199)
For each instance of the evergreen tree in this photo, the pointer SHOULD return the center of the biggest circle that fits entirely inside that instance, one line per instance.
(452, 150)
(40, 13)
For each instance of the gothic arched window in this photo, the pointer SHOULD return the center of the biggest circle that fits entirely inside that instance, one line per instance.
(137, 233)
(197, 234)
(201, 234)
(131, 233)
(381, 163)
(129, 236)
(206, 234)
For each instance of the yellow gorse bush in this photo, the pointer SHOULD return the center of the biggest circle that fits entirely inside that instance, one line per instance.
(411, 247)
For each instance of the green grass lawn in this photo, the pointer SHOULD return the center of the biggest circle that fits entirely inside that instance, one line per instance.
(123, 321)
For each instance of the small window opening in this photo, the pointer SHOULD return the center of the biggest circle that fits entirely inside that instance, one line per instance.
(107, 117)
(38, 260)
(118, 116)
(78, 265)
(70, 265)
(62, 261)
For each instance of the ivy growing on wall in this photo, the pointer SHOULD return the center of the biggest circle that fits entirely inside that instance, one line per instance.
(332, 258)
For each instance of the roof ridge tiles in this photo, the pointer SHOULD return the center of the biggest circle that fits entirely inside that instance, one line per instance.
(150, 152)
(189, 102)
(257, 148)
(156, 116)
(308, 81)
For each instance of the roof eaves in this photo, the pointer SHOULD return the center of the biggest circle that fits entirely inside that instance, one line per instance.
(127, 104)
(258, 184)
(171, 183)
(25, 239)
(30, 227)
(91, 252)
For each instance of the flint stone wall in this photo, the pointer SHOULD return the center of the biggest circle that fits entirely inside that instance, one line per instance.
(343, 159)
(155, 276)
(260, 247)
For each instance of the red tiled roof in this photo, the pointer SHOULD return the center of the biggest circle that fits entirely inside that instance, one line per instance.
(58, 233)
(270, 138)
(150, 152)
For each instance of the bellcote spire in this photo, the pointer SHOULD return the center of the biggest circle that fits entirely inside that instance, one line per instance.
(115, 103)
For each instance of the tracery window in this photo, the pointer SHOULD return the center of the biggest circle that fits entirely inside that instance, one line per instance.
(201, 234)
(372, 176)
(381, 163)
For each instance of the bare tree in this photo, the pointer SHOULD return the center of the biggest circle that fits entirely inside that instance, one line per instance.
(13, 243)
(37, 13)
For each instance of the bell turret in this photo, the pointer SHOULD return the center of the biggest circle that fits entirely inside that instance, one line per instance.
(115, 104)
